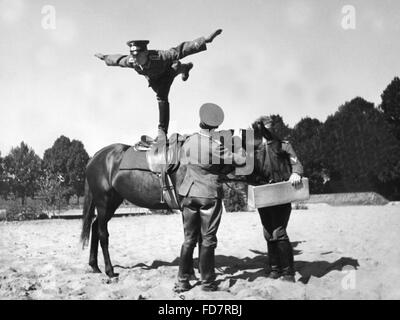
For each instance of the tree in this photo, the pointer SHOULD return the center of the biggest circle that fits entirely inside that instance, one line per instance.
(3, 179)
(68, 159)
(306, 141)
(23, 167)
(359, 151)
(76, 166)
(391, 105)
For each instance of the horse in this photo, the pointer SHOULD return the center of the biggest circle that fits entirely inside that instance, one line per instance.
(105, 189)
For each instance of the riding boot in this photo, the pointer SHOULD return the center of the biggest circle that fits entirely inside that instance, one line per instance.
(163, 108)
(187, 68)
(286, 260)
(186, 270)
(207, 269)
(161, 136)
(273, 260)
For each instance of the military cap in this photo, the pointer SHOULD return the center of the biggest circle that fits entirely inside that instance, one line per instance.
(138, 45)
(211, 115)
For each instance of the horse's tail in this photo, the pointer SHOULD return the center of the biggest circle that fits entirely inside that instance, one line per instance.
(88, 215)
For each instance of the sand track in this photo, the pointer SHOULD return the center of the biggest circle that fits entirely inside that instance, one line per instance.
(340, 253)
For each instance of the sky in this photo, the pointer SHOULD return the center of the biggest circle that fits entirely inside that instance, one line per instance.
(291, 57)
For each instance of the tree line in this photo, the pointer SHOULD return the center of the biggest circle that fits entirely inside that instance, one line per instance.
(60, 174)
(356, 149)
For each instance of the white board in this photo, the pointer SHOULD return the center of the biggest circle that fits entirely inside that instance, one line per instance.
(268, 195)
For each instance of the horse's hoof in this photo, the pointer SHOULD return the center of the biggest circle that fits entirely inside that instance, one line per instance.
(95, 269)
(112, 274)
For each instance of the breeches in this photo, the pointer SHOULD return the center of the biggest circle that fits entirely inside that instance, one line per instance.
(201, 219)
(161, 86)
(275, 220)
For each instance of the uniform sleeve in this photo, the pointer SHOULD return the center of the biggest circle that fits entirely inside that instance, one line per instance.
(222, 153)
(297, 167)
(184, 49)
(117, 60)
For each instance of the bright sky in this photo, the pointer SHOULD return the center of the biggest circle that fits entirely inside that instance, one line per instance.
(289, 57)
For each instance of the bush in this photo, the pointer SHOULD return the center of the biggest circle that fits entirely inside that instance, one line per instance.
(299, 206)
(18, 212)
(235, 196)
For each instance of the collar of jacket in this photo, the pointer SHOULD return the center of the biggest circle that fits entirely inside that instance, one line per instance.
(206, 133)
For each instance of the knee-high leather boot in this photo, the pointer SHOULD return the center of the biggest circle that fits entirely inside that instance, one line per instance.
(185, 269)
(286, 260)
(207, 269)
(163, 108)
(273, 260)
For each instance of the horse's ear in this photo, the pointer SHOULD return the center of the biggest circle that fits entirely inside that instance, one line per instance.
(257, 127)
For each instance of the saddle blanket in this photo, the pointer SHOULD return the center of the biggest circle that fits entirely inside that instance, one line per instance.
(137, 157)
(134, 160)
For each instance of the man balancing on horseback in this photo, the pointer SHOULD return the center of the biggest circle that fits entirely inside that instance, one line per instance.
(160, 67)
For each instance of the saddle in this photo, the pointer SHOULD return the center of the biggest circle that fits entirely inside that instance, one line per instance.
(163, 159)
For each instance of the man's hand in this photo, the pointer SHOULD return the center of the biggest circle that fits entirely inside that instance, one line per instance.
(100, 56)
(211, 37)
(295, 179)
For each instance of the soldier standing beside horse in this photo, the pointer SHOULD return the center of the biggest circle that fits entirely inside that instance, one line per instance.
(206, 161)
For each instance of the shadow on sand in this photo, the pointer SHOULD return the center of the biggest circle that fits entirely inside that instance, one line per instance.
(231, 265)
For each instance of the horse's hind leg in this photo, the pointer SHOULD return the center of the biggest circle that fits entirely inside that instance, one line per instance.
(105, 213)
(94, 247)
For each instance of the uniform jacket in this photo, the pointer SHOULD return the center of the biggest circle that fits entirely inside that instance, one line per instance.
(160, 61)
(206, 160)
(280, 161)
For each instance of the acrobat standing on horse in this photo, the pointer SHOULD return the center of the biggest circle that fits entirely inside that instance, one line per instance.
(160, 67)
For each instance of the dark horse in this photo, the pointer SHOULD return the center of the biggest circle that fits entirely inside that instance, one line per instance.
(107, 187)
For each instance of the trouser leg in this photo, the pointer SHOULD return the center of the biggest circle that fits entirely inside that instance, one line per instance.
(210, 213)
(162, 87)
(191, 228)
(164, 114)
(275, 220)
(266, 216)
(182, 68)
(178, 67)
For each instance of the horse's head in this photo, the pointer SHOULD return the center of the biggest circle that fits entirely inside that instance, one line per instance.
(256, 151)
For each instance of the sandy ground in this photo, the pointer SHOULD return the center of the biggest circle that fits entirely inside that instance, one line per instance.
(340, 253)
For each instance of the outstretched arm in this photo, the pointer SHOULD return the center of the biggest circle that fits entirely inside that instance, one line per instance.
(213, 35)
(114, 60)
(189, 47)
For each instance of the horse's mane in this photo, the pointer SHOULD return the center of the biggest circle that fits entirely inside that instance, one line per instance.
(260, 131)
